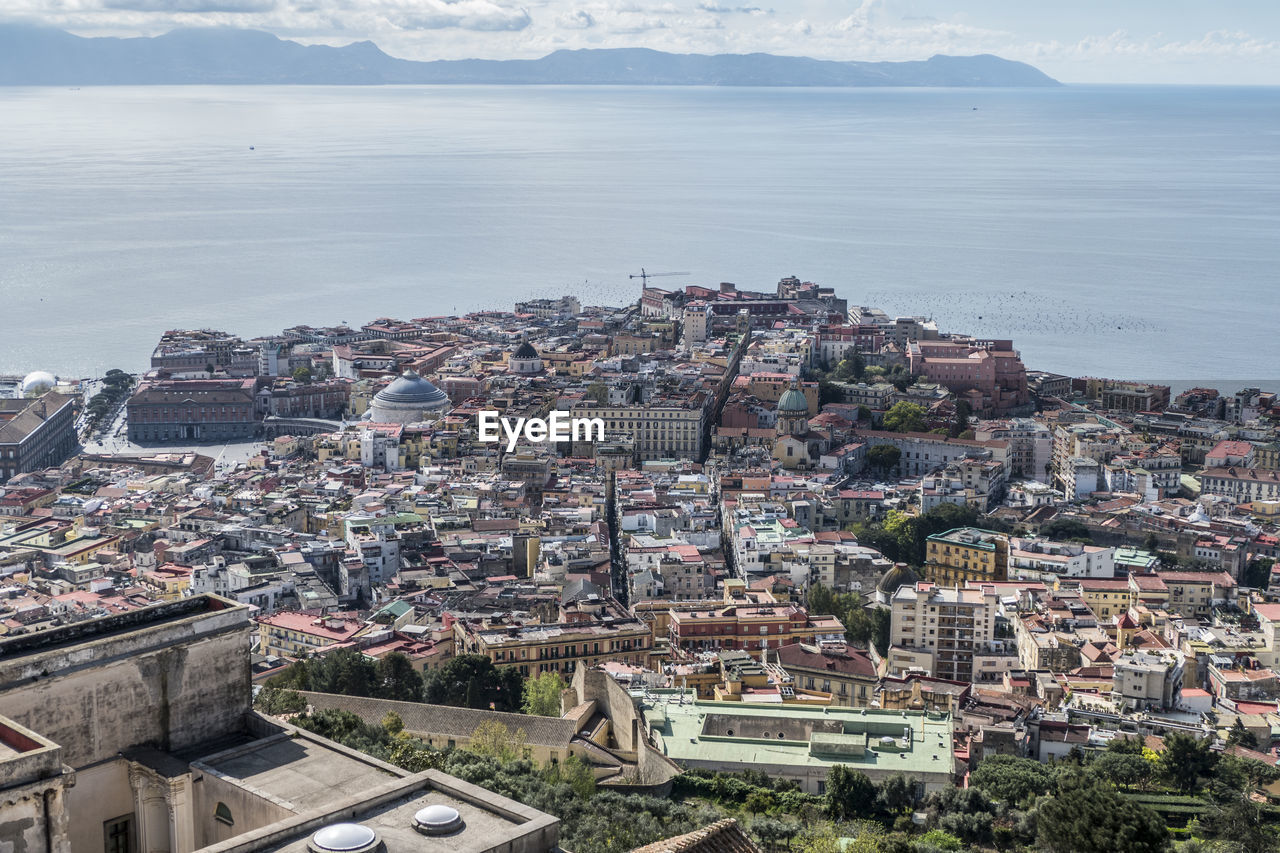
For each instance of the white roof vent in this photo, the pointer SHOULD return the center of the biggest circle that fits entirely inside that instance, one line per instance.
(437, 819)
(343, 838)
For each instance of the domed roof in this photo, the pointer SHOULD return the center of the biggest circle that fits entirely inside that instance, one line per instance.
(38, 381)
(792, 400)
(410, 389)
(343, 837)
(900, 575)
(437, 820)
(525, 350)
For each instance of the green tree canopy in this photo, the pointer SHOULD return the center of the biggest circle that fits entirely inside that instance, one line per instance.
(905, 417)
(1089, 816)
(472, 681)
(1185, 760)
(884, 458)
(1011, 779)
(850, 793)
(1122, 769)
(542, 695)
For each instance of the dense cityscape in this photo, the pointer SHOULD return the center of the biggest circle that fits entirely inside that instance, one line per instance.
(825, 580)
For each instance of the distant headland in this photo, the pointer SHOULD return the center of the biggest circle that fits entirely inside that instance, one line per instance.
(32, 55)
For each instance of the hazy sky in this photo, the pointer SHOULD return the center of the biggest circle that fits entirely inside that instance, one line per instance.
(1143, 41)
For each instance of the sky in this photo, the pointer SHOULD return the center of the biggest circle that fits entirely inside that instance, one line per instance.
(1087, 41)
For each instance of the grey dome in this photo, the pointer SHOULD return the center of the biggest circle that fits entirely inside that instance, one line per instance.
(410, 389)
(525, 350)
(900, 575)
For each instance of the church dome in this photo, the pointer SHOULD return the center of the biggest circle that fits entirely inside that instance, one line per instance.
(793, 401)
(410, 388)
(525, 350)
(407, 399)
(900, 575)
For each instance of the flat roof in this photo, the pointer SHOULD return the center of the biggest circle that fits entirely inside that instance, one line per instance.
(811, 737)
(297, 772)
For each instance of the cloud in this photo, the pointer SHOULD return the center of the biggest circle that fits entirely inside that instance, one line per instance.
(477, 15)
(717, 9)
(578, 19)
(192, 6)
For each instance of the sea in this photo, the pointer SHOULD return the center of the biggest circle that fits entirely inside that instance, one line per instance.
(1120, 231)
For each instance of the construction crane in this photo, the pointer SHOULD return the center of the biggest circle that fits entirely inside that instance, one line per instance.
(645, 276)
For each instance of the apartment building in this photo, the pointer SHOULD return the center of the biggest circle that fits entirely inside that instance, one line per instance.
(578, 639)
(966, 554)
(1030, 445)
(848, 674)
(1242, 485)
(948, 632)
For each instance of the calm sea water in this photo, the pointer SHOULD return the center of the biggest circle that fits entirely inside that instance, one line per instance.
(1122, 231)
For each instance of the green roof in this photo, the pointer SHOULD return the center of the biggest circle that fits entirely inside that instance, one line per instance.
(876, 741)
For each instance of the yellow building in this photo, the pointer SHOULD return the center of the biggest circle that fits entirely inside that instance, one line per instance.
(1106, 597)
(966, 554)
(292, 634)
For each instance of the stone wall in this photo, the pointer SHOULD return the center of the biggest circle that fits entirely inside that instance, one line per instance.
(173, 680)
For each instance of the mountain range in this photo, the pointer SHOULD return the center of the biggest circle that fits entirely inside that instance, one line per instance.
(33, 55)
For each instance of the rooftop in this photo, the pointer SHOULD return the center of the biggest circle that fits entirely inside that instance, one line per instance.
(715, 733)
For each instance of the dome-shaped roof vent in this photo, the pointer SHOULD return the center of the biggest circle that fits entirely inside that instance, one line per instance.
(437, 820)
(344, 838)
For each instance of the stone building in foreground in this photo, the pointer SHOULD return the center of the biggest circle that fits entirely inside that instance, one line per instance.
(134, 734)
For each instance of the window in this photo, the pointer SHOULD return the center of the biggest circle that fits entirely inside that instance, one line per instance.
(117, 835)
(222, 814)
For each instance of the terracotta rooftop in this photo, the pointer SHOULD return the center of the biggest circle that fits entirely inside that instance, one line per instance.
(723, 836)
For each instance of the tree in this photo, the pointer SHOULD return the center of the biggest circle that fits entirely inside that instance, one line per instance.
(884, 458)
(1066, 528)
(494, 739)
(895, 795)
(542, 695)
(905, 417)
(850, 793)
(577, 774)
(1089, 816)
(1257, 573)
(1125, 744)
(961, 424)
(396, 678)
(1122, 769)
(472, 681)
(1240, 736)
(392, 722)
(302, 374)
(1184, 760)
(964, 812)
(598, 393)
(277, 701)
(1011, 779)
